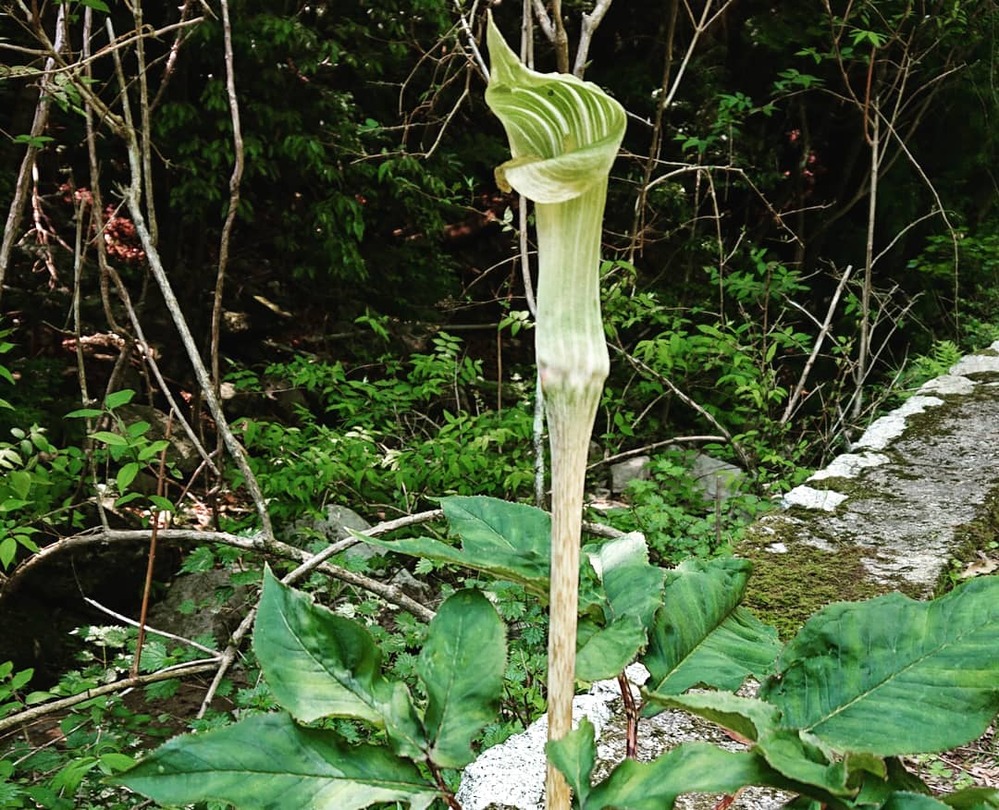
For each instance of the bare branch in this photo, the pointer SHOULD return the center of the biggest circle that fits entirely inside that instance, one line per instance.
(234, 190)
(152, 630)
(590, 24)
(38, 125)
(32, 714)
(470, 44)
(792, 401)
(648, 448)
(541, 15)
(639, 365)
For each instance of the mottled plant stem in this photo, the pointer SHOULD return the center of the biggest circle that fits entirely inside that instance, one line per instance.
(573, 364)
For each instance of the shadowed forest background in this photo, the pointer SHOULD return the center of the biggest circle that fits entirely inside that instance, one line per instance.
(255, 264)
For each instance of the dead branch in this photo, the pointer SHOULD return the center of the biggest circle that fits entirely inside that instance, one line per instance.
(32, 714)
(792, 401)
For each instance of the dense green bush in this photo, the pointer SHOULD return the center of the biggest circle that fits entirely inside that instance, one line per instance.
(390, 435)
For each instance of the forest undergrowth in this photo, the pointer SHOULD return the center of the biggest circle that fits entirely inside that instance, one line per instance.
(254, 267)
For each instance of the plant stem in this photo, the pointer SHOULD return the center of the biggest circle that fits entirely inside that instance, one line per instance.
(573, 364)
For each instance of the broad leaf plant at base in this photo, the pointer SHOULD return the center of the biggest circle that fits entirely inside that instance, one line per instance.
(859, 686)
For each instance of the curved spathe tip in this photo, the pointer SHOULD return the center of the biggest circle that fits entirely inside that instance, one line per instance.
(564, 132)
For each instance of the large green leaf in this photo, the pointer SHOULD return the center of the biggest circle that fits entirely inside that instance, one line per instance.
(892, 675)
(901, 800)
(575, 755)
(267, 761)
(319, 664)
(790, 752)
(506, 540)
(633, 586)
(747, 717)
(462, 666)
(632, 593)
(606, 652)
(688, 768)
(973, 798)
(701, 635)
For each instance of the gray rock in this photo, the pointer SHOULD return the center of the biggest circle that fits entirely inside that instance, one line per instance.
(511, 776)
(885, 430)
(333, 527)
(849, 465)
(920, 473)
(717, 479)
(624, 472)
(809, 498)
(210, 616)
(948, 384)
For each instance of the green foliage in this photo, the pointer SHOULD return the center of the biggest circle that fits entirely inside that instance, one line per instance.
(36, 481)
(93, 739)
(394, 434)
(321, 666)
(128, 449)
(925, 367)
(507, 540)
(329, 196)
(977, 272)
(678, 521)
(860, 685)
(863, 683)
(732, 360)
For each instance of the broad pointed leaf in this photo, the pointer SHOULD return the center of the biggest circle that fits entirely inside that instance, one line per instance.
(892, 777)
(606, 653)
(634, 587)
(892, 675)
(267, 761)
(973, 798)
(575, 755)
(688, 768)
(747, 717)
(462, 666)
(913, 801)
(701, 635)
(788, 752)
(319, 664)
(507, 540)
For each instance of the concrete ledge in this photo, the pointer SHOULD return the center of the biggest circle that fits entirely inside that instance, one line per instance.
(915, 476)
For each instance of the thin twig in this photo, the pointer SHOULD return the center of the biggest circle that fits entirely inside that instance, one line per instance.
(151, 630)
(32, 714)
(792, 401)
(38, 124)
(234, 194)
(639, 365)
(201, 373)
(641, 451)
(154, 518)
(470, 44)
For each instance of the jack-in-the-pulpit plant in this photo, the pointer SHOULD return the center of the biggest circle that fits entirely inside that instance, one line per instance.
(564, 136)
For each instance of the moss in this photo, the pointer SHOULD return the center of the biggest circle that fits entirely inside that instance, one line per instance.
(979, 535)
(787, 588)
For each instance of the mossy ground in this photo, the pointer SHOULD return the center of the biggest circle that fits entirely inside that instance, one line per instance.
(974, 542)
(786, 588)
